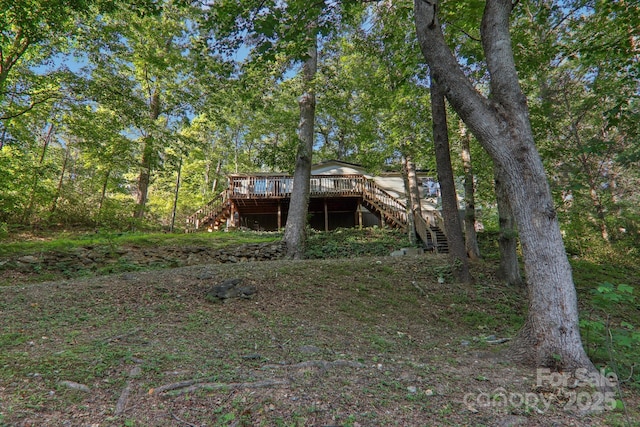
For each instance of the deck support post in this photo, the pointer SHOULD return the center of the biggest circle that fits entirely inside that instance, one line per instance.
(326, 216)
(279, 215)
(359, 215)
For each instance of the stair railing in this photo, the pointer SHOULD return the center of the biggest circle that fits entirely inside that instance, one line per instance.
(207, 212)
(389, 206)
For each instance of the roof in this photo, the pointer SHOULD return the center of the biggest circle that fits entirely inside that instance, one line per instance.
(337, 167)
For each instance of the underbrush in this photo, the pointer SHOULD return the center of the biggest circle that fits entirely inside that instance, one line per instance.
(352, 242)
(30, 243)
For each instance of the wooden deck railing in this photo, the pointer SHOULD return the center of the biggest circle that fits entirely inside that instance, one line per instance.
(278, 186)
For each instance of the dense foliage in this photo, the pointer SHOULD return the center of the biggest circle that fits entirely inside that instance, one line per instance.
(104, 104)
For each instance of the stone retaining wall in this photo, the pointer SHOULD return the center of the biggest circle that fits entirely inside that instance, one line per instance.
(91, 258)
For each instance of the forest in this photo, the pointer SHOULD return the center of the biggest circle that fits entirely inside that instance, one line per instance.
(130, 116)
(111, 113)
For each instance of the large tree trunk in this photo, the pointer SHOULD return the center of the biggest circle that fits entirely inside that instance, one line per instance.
(450, 212)
(294, 233)
(411, 226)
(37, 172)
(414, 187)
(175, 197)
(470, 235)
(507, 241)
(148, 157)
(551, 334)
(103, 194)
(144, 177)
(54, 204)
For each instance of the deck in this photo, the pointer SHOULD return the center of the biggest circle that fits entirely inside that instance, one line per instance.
(261, 201)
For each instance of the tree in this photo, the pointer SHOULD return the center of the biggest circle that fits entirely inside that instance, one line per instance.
(580, 68)
(295, 233)
(370, 110)
(272, 30)
(453, 228)
(470, 235)
(509, 269)
(136, 67)
(34, 25)
(551, 334)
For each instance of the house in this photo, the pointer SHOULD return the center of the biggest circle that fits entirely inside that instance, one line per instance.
(341, 195)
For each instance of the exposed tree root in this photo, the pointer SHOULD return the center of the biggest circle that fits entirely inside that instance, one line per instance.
(321, 364)
(180, 420)
(121, 405)
(173, 386)
(121, 336)
(191, 386)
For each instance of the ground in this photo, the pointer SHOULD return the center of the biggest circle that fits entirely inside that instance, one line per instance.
(373, 341)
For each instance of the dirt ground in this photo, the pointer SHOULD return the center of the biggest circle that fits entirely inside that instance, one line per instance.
(349, 342)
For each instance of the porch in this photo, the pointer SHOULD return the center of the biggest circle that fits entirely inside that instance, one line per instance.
(261, 202)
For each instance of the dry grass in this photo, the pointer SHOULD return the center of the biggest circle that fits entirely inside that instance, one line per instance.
(324, 342)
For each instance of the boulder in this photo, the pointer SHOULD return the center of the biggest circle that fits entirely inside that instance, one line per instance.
(230, 288)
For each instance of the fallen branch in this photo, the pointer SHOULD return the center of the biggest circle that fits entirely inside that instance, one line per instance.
(321, 364)
(191, 386)
(419, 288)
(173, 386)
(121, 405)
(180, 420)
(125, 335)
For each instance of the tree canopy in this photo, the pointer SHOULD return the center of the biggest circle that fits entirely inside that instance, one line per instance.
(99, 101)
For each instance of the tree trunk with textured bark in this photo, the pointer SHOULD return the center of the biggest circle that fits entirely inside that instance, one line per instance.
(470, 235)
(294, 233)
(414, 187)
(148, 154)
(551, 334)
(450, 212)
(508, 238)
(414, 208)
(54, 204)
(37, 172)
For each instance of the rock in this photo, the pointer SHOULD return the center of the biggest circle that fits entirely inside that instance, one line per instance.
(135, 372)
(206, 275)
(28, 259)
(408, 251)
(231, 289)
(309, 349)
(511, 421)
(252, 356)
(74, 386)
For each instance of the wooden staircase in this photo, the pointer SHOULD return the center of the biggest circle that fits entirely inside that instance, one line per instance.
(394, 214)
(211, 215)
(392, 211)
(432, 236)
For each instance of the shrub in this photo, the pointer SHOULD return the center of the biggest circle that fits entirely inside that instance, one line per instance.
(612, 340)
